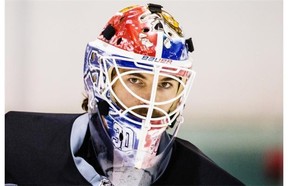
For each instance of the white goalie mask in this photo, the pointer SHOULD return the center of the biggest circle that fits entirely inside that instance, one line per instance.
(137, 76)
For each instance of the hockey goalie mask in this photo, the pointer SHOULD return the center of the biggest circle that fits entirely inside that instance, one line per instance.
(137, 77)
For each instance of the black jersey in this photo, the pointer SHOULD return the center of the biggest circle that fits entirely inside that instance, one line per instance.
(40, 150)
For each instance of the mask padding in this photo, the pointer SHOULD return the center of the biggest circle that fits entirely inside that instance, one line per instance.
(189, 44)
(109, 32)
(103, 107)
(154, 8)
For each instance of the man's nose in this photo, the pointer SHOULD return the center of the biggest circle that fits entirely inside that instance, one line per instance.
(145, 93)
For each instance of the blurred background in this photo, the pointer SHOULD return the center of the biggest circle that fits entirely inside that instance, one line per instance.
(235, 110)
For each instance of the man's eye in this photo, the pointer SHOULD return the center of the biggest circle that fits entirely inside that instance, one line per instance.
(134, 80)
(165, 85)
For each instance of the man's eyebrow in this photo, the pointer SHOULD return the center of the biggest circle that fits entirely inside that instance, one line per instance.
(138, 75)
(133, 74)
(143, 77)
(167, 79)
(160, 79)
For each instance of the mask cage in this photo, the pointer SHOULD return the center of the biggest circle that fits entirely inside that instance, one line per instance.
(98, 81)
